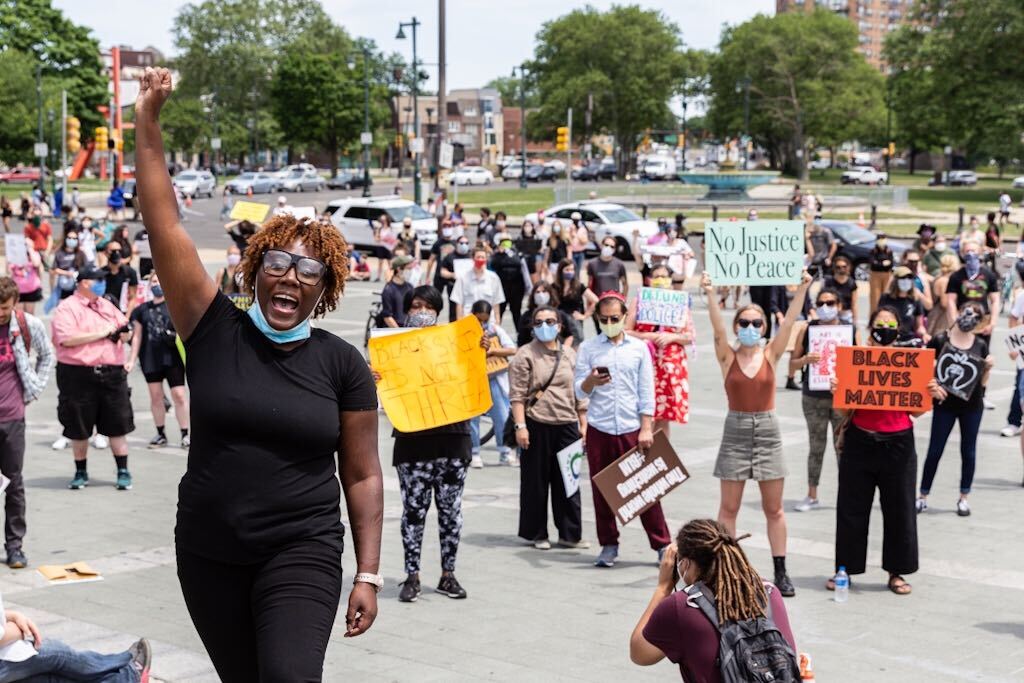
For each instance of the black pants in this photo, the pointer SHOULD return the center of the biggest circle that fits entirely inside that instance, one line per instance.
(268, 622)
(12, 457)
(514, 301)
(888, 463)
(538, 472)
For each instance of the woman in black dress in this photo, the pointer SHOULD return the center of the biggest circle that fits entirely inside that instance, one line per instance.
(259, 534)
(574, 300)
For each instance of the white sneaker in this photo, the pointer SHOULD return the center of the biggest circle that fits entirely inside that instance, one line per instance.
(808, 504)
(1010, 430)
(962, 508)
(512, 460)
(60, 444)
(921, 505)
(99, 441)
(989, 405)
(476, 462)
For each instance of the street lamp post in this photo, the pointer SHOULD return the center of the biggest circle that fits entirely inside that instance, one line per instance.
(745, 85)
(415, 102)
(684, 134)
(366, 137)
(432, 160)
(522, 119)
(888, 122)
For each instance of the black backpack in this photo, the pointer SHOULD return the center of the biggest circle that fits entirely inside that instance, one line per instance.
(750, 651)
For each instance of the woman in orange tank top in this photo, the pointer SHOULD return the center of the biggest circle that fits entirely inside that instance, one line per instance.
(751, 444)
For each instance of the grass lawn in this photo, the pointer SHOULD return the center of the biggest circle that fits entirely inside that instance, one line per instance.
(13, 190)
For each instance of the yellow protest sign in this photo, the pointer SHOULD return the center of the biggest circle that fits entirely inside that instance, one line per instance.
(432, 377)
(254, 212)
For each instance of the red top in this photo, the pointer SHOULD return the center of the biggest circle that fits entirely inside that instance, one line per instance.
(885, 421)
(39, 235)
(750, 394)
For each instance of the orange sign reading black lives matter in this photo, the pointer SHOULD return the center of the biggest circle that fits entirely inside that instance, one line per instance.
(883, 378)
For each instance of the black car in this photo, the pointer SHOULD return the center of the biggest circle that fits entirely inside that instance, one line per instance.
(595, 171)
(537, 173)
(346, 180)
(856, 243)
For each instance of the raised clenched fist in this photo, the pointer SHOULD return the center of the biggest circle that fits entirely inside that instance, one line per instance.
(154, 89)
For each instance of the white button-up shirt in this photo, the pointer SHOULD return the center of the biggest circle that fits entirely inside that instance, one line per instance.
(471, 287)
(616, 407)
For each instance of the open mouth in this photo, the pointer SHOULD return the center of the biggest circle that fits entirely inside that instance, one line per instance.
(284, 304)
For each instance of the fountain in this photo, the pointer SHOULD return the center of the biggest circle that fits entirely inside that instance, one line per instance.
(728, 184)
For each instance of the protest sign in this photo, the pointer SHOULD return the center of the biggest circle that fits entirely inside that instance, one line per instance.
(754, 252)
(432, 376)
(1015, 342)
(823, 340)
(76, 572)
(667, 307)
(958, 371)
(883, 378)
(638, 480)
(15, 250)
(388, 331)
(254, 212)
(495, 364)
(570, 459)
(461, 267)
(301, 212)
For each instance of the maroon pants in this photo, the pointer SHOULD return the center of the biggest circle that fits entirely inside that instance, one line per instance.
(602, 450)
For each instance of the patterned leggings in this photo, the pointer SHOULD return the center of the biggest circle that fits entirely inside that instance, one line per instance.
(444, 477)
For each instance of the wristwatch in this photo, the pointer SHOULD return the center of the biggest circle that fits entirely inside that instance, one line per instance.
(520, 425)
(375, 580)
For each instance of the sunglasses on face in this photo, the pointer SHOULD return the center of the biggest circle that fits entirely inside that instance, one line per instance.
(882, 324)
(609, 319)
(827, 303)
(757, 324)
(550, 322)
(308, 271)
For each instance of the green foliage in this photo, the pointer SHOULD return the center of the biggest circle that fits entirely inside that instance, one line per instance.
(509, 89)
(69, 54)
(808, 84)
(628, 58)
(185, 124)
(17, 106)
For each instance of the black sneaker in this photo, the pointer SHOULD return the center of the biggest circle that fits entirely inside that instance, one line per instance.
(158, 441)
(791, 384)
(785, 586)
(449, 586)
(410, 589)
(16, 559)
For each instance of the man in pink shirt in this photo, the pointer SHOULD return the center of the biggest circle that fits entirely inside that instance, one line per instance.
(89, 334)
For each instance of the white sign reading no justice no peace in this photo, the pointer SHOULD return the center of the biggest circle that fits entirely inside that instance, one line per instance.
(754, 252)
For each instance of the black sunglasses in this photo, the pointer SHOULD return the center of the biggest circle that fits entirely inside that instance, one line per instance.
(550, 322)
(758, 324)
(828, 302)
(308, 271)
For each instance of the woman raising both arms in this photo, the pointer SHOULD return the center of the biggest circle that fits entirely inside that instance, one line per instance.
(259, 534)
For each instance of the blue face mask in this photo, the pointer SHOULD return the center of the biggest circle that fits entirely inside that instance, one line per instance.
(749, 336)
(99, 287)
(545, 333)
(294, 334)
(158, 292)
(973, 264)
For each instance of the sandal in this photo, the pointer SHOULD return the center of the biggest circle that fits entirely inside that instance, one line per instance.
(901, 588)
(830, 585)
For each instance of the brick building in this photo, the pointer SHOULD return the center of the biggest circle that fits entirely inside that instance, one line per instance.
(874, 19)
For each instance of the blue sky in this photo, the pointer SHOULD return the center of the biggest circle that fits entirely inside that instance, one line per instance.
(485, 37)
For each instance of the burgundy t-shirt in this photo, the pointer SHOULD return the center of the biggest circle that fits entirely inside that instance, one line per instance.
(690, 640)
(12, 403)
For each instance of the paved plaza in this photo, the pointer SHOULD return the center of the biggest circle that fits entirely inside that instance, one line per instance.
(546, 615)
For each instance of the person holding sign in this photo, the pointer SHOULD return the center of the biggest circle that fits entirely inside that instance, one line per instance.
(259, 534)
(668, 351)
(903, 298)
(877, 452)
(815, 353)
(615, 372)
(962, 365)
(751, 444)
(500, 348)
(548, 417)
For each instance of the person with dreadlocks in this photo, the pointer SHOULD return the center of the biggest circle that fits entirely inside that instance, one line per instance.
(259, 532)
(673, 626)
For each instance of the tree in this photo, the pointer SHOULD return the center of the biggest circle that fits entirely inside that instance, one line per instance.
(808, 84)
(185, 124)
(919, 118)
(68, 53)
(629, 59)
(17, 106)
(509, 89)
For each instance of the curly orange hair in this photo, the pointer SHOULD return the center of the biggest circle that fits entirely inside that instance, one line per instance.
(323, 239)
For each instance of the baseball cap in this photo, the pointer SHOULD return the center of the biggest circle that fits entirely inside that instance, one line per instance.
(400, 261)
(902, 271)
(90, 273)
(281, 199)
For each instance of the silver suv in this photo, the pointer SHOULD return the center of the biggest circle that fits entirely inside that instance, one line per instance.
(355, 218)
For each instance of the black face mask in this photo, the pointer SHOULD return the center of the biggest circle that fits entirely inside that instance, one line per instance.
(115, 258)
(883, 336)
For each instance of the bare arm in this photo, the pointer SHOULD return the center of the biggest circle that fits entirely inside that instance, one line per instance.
(722, 350)
(136, 346)
(189, 289)
(781, 340)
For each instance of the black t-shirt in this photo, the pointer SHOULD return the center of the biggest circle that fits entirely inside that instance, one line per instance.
(439, 250)
(116, 283)
(510, 271)
(972, 289)
(156, 353)
(908, 307)
(448, 263)
(265, 425)
(975, 401)
(847, 290)
(558, 252)
(880, 260)
(392, 300)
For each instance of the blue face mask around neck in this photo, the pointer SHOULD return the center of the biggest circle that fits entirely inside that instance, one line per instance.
(298, 333)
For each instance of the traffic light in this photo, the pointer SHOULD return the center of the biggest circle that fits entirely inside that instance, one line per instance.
(73, 134)
(892, 149)
(118, 143)
(101, 138)
(398, 140)
(562, 138)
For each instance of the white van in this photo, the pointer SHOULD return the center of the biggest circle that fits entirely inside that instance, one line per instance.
(659, 168)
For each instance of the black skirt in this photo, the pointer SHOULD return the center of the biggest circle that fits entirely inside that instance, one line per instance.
(424, 447)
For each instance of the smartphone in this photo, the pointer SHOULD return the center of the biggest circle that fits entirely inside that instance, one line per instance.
(603, 371)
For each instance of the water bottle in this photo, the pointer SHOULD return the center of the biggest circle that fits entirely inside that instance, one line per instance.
(842, 581)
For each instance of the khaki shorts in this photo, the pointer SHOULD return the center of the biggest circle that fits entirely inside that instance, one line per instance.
(751, 448)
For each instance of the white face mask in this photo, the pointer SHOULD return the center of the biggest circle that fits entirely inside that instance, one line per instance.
(542, 298)
(607, 252)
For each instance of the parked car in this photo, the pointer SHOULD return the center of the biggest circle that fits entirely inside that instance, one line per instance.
(1018, 181)
(818, 164)
(596, 170)
(512, 172)
(856, 243)
(954, 178)
(556, 164)
(302, 181)
(346, 180)
(354, 217)
(20, 174)
(864, 175)
(195, 183)
(602, 219)
(659, 168)
(471, 175)
(537, 173)
(259, 183)
(287, 171)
